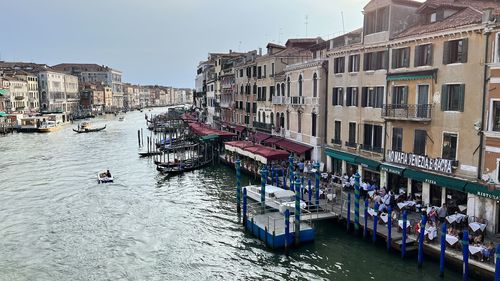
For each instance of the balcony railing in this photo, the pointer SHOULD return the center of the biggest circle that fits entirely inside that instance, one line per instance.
(372, 148)
(351, 144)
(262, 126)
(279, 100)
(337, 142)
(412, 112)
(297, 100)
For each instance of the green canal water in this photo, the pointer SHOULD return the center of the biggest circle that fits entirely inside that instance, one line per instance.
(57, 223)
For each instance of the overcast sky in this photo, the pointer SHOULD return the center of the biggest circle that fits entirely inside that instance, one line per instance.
(161, 41)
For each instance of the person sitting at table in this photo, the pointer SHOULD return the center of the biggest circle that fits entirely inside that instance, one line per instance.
(478, 239)
(488, 253)
(432, 215)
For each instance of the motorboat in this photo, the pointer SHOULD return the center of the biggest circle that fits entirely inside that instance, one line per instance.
(48, 126)
(121, 118)
(104, 177)
(86, 127)
(275, 197)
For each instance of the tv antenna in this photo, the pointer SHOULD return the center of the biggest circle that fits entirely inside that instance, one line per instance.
(306, 23)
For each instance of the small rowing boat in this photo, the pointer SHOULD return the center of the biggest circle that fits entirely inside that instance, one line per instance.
(86, 127)
(104, 177)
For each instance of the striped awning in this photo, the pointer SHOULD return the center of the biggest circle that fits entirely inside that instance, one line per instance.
(409, 77)
(3, 92)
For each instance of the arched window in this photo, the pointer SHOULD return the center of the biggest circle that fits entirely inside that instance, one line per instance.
(282, 120)
(255, 88)
(313, 124)
(263, 117)
(299, 122)
(300, 85)
(283, 89)
(259, 117)
(272, 118)
(288, 120)
(278, 90)
(315, 85)
(241, 90)
(288, 87)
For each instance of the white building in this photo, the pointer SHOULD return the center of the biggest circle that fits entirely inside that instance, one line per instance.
(58, 91)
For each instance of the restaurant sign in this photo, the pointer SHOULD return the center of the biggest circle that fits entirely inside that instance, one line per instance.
(420, 161)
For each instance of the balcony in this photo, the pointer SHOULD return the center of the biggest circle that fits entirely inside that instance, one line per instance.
(279, 100)
(297, 101)
(372, 148)
(262, 126)
(409, 112)
(351, 144)
(337, 142)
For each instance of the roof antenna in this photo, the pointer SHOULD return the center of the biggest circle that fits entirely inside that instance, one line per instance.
(306, 24)
(343, 26)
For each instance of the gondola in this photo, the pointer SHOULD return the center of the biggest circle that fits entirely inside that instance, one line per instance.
(87, 130)
(152, 153)
(182, 168)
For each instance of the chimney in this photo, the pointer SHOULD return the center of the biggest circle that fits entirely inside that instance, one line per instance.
(260, 51)
(230, 51)
(487, 14)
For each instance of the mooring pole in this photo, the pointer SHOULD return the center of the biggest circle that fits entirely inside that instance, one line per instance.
(443, 249)
(238, 187)
(309, 191)
(356, 202)
(421, 241)
(297, 209)
(389, 228)
(287, 228)
(365, 230)
(316, 166)
(405, 232)
(375, 222)
(290, 170)
(348, 211)
(244, 206)
(497, 263)
(465, 251)
(263, 175)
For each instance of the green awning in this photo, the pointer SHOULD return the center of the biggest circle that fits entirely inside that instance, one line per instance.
(435, 179)
(3, 114)
(209, 137)
(409, 77)
(482, 190)
(3, 92)
(341, 155)
(392, 169)
(367, 163)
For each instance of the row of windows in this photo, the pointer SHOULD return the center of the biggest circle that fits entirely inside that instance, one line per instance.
(256, 71)
(373, 135)
(370, 96)
(454, 51)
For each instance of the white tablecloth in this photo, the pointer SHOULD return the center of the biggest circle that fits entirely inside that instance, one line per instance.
(475, 226)
(455, 218)
(451, 239)
(372, 212)
(431, 232)
(475, 249)
(384, 217)
(401, 205)
(400, 223)
(462, 207)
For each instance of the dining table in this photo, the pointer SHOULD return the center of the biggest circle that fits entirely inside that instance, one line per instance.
(475, 226)
(451, 239)
(455, 218)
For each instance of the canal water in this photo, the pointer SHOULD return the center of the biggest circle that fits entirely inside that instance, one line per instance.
(57, 223)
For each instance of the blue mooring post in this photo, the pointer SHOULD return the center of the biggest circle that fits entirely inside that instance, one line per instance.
(497, 263)
(302, 188)
(290, 170)
(375, 222)
(297, 209)
(421, 241)
(465, 251)
(244, 206)
(272, 174)
(287, 228)
(263, 176)
(348, 211)
(316, 166)
(356, 202)
(365, 230)
(238, 187)
(309, 191)
(284, 181)
(389, 228)
(405, 232)
(443, 249)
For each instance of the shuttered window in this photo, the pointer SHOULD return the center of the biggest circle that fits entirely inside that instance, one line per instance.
(338, 96)
(423, 55)
(419, 142)
(455, 51)
(397, 139)
(401, 57)
(452, 97)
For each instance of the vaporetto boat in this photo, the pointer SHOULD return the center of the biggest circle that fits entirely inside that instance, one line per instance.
(275, 197)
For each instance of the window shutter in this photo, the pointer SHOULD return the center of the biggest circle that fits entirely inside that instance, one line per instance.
(431, 54)
(446, 52)
(341, 96)
(385, 60)
(417, 56)
(444, 98)
(465, 47)
(355, 96)
(394, 55)
(461, 97)
(405, 95)
(333, 96)
(407, 57)
(364, 94)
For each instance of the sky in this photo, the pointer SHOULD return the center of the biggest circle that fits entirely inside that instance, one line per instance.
(161, 41)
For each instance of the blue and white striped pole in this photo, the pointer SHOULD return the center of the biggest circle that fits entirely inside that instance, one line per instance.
(309, 193)
(302, 188)
(443, 249)
(356, 202)
(375, 222)
(287, 227)
(297, 209)
(238, 187)
(389, 228)
(348, 211)
(317, 175)
(421, 241)
(263, 175)
(365, 230)
(497, 263)
(465, 252)
(405, 233)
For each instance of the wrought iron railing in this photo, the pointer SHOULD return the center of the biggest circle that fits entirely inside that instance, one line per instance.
(407, 111)
(372, 148)
(351, 144)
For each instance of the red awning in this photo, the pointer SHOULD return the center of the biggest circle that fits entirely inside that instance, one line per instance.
(239, 144)
(259, 137)
(203, 130)
(272, 140)
(239, 128)
(294, 147)
(267, 152)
